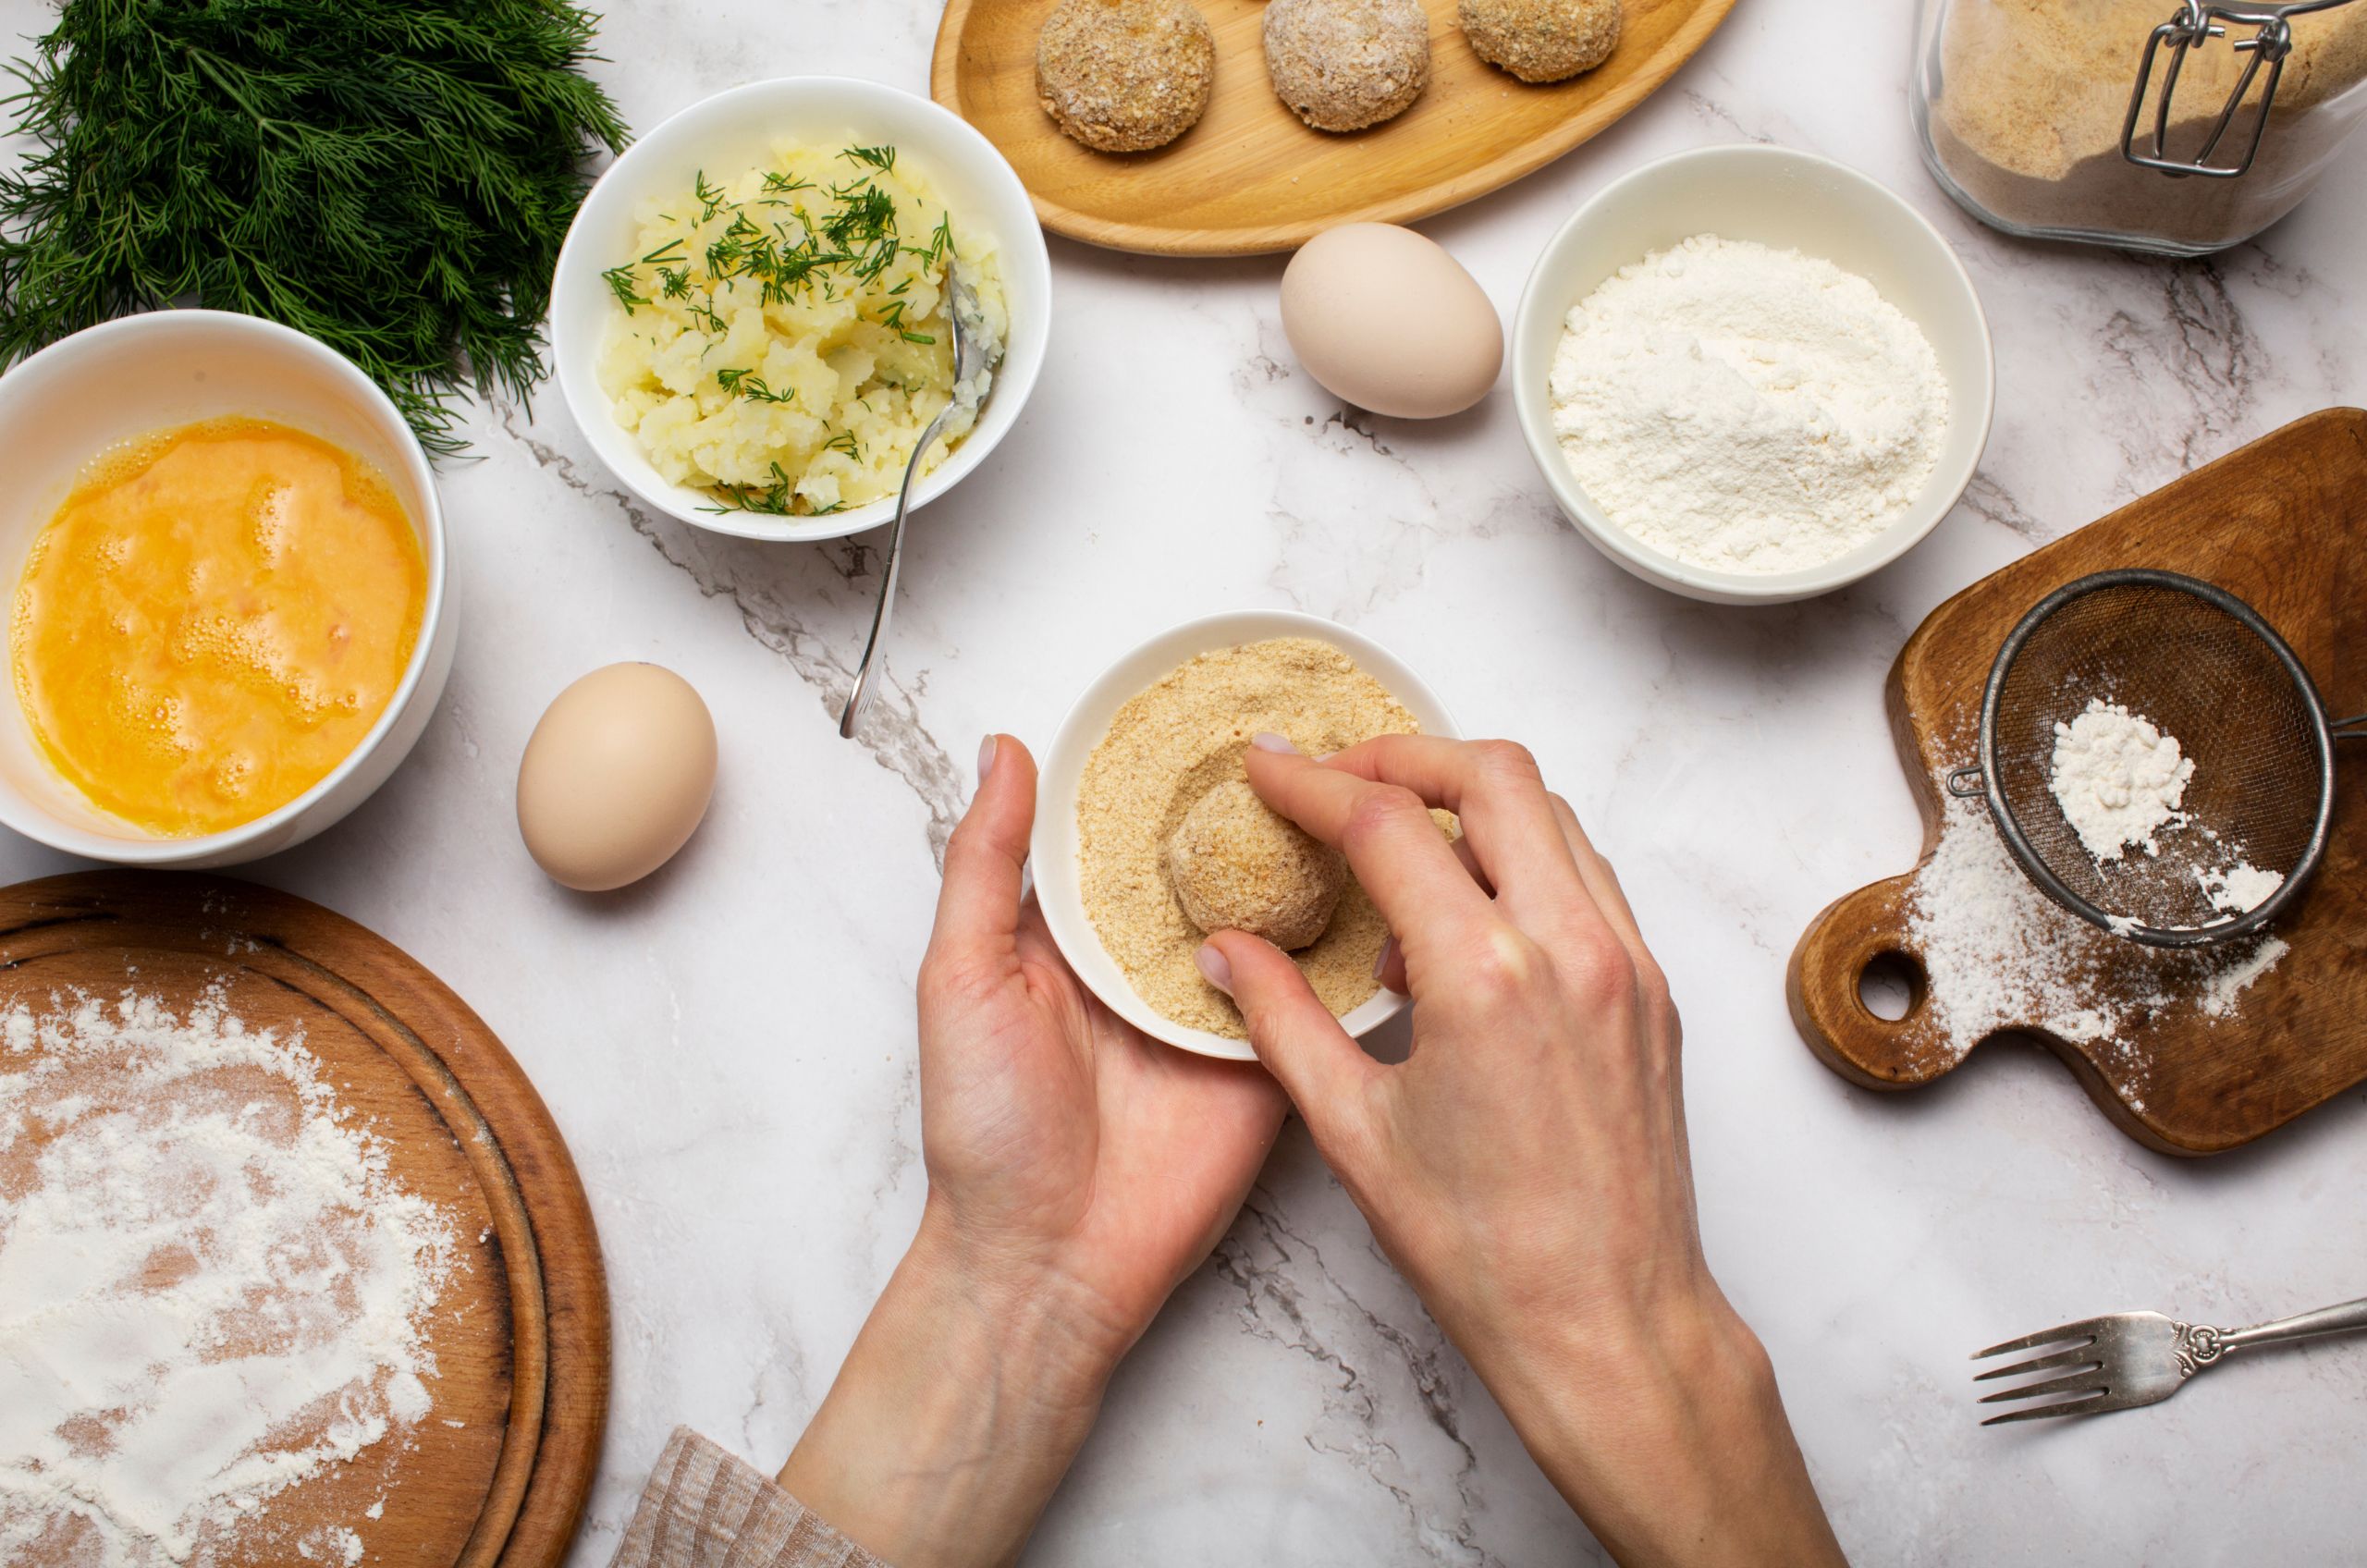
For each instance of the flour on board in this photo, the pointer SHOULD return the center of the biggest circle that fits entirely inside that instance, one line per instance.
(211, 1284)
(1998, 954)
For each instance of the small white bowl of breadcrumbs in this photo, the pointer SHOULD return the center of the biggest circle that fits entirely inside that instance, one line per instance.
(1162, 731)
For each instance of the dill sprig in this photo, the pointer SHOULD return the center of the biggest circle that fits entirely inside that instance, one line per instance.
(771, 500)
(394, 179)
(746, 383)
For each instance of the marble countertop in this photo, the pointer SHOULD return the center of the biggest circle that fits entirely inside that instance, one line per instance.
(741, 1023)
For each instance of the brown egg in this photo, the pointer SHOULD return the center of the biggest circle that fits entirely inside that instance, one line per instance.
(616, 777)
(1387, 320)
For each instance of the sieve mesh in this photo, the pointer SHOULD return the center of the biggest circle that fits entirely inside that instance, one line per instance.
(2202, 666)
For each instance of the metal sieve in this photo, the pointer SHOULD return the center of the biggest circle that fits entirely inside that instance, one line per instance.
(2203, 667)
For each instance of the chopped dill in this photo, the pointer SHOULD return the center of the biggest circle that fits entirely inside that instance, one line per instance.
(745, 383)
(882, 158)
(619, 282)
(710, 197)
(772, 499)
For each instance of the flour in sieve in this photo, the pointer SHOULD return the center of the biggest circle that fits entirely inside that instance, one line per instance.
(2239, 888)
(1746, 408)
(2118, 778)
(2121, 781)
(212, 1285)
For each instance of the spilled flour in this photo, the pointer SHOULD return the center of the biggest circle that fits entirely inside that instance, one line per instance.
(1998, 954)
(211, 1286)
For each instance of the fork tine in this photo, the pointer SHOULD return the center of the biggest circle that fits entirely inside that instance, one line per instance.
(2076, 1356)
(2083, 1330)
(2085, 1380)
(2041, 1413)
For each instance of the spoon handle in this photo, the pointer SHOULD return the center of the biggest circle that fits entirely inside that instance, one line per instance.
(859, 698)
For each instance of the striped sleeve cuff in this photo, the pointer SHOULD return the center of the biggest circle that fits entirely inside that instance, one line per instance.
(705, 1508)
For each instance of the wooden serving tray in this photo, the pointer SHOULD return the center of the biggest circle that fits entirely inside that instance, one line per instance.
(1252, 176)
(497, 1472)
(2283, 524)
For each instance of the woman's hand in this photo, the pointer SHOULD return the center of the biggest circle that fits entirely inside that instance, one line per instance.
(1078, 1172)
(1526, 1166)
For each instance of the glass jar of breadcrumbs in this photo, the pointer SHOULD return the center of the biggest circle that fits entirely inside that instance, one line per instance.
(2174, 126)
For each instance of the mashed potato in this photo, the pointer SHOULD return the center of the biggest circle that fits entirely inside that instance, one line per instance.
(782, 336)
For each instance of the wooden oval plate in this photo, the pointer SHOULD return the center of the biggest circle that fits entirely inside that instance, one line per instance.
(496, 1472)
(1251, 176)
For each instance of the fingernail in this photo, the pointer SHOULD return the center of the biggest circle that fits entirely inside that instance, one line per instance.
(1266, 740)
(986, 756)
(1214, 968)
(1380, 960)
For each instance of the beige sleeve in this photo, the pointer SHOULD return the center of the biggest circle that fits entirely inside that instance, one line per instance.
(704, 1508)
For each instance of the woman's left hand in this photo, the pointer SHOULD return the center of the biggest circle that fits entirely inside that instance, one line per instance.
(1078, 1172)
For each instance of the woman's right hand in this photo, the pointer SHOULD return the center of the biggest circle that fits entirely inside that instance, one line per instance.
(1525, 1166)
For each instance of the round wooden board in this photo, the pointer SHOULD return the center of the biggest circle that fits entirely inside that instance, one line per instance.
(498, 1471)
(1252, 176)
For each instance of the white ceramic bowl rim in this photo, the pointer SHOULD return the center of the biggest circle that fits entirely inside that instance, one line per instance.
(1072, 930)
(1015, 377)
(42, 827)
(1774, 587)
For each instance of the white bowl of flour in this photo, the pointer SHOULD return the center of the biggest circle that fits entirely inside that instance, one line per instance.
(1751, 375)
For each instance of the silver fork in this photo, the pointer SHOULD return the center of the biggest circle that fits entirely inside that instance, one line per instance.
(971, 358)
(2131, 1358)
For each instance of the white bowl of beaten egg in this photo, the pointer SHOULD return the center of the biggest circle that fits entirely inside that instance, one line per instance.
(749, 316)
(1059, 838)
(1864, 403)
(228, 574)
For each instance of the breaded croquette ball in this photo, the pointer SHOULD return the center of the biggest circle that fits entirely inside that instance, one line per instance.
(1342, 65)
(1541, 40)
(1125, 76)
(1238, 865)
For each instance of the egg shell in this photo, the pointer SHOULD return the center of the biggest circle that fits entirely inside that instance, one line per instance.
(1387, 320)
(616, 777)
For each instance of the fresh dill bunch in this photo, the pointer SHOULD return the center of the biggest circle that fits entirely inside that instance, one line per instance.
(394, 179)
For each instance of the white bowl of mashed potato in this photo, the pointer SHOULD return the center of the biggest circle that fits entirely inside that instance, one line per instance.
(750, 315)
(214, 684)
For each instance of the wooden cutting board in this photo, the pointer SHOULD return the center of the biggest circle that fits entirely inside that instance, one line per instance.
(496, 1473)
(2283, 524)
(1252, 176)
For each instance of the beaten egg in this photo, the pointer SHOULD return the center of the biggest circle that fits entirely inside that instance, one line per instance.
(616, 777)
(1388, 321)
(212, 621)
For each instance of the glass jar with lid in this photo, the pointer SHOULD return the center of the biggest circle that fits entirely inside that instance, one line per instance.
(2175, 126)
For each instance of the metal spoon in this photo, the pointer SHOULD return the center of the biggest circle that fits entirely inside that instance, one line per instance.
(970, 359)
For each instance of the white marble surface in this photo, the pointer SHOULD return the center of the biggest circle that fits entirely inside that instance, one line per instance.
(741, 1024)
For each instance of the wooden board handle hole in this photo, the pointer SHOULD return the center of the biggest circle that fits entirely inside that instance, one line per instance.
(1893, 986)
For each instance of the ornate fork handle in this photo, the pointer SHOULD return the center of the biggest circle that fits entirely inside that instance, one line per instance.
(2199, 1344)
